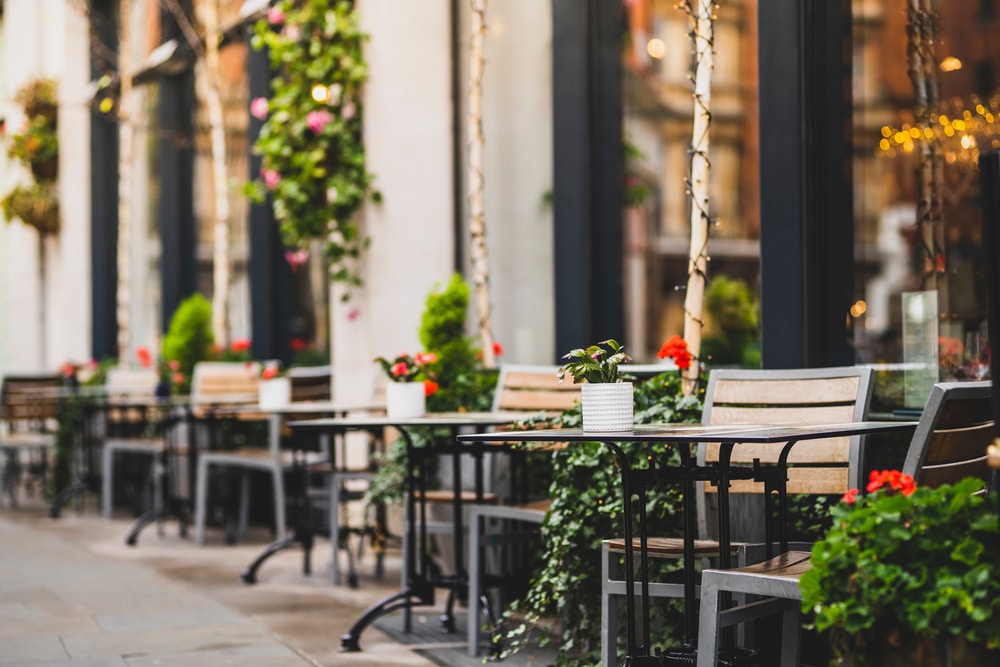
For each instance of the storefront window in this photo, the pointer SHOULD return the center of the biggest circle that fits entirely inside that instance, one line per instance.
(918, 135)
(658, 129)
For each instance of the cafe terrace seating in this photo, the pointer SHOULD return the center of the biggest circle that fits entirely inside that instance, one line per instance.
(741, 396)
(949, 444)
(29, 406)
(232, 383)
(129, 432)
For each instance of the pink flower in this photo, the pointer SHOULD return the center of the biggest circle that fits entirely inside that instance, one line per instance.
(317, 120)
(258, 108)
(174, 365)
(296, 258)
(293, 33)
(425, 358)
(269, 372)
(178, 378)
(347, 113)
(353, 314)
(275, 16)
(398, 369)
(271, 178)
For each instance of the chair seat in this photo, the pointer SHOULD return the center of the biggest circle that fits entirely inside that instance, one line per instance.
(447, 496)
(671, 547)
(22, 439)
(790, 565)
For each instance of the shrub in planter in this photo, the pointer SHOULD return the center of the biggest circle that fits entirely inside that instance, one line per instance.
(909, 575)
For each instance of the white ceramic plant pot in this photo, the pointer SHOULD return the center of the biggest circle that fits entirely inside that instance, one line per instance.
(607, 407)
(274, 393)
(404, 400)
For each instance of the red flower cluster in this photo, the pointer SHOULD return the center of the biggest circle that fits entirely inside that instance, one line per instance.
(677, 349)
(145, 356)
(896, 481)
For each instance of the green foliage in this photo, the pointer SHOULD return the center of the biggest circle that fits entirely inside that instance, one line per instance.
(188, 340)
(313, 158)
(922, 565)
(732, 323)
(597, 364)
(463, 383)
(586, 508)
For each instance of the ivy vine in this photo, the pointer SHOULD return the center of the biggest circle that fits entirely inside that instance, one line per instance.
(312, 154)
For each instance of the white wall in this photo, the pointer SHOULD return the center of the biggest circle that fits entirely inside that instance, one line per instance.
(408, 139)
(517, 122)
(39, 331)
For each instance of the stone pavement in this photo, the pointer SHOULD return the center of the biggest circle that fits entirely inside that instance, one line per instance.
(72, 594)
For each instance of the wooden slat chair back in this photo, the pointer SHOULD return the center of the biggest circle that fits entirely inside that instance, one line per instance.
(801, 396)
(29, 409)
(533, 389)
(30, 402)
(953, 435)
(123, 381)
(222, 382)
(949, 444)
(311, 383)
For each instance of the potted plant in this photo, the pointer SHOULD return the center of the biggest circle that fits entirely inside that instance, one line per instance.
(410, 384)
(908, 576)
(274, 389)
(606, 395)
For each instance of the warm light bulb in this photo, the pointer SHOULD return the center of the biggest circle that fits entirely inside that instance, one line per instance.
(656, 48)
(950, 64)
(320, 93)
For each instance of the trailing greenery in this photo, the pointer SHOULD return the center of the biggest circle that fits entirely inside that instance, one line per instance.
(586, 508)
(188, 341)
(37, 146)
(313, 158)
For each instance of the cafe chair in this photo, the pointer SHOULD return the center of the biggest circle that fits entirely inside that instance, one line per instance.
(949, 444)
(230, 382)
(754, 396)
(128, 431)
(29, 406)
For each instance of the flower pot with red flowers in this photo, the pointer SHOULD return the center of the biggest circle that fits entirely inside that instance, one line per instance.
(909, 576)
(410, 383)
(274, 391)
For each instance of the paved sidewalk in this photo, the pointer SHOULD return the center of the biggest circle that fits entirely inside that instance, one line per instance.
(73, 595)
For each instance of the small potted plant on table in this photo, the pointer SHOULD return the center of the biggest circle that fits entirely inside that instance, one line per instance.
(908, 576)
(606, 396)
(410, 384)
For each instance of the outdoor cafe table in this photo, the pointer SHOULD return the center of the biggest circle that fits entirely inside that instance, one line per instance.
(420, 582)
(635, 480)
(303, 532)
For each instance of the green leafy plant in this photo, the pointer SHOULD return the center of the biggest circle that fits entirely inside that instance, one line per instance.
(37, 146)
(313, 158)
(464, 384)
(188, 341)
(904, 567)
(597, 363)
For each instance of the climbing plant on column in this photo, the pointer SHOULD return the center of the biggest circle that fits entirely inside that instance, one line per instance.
(313, 168)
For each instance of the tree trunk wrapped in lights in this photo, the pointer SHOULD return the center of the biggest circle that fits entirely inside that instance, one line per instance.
(477, 211)
(125, 132)
(922, 35)
(702, 17)
(220, 177)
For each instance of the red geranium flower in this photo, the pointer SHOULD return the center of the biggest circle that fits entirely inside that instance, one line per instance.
(430, 386)
(677, 349)
(240, 345)
(145, 358)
